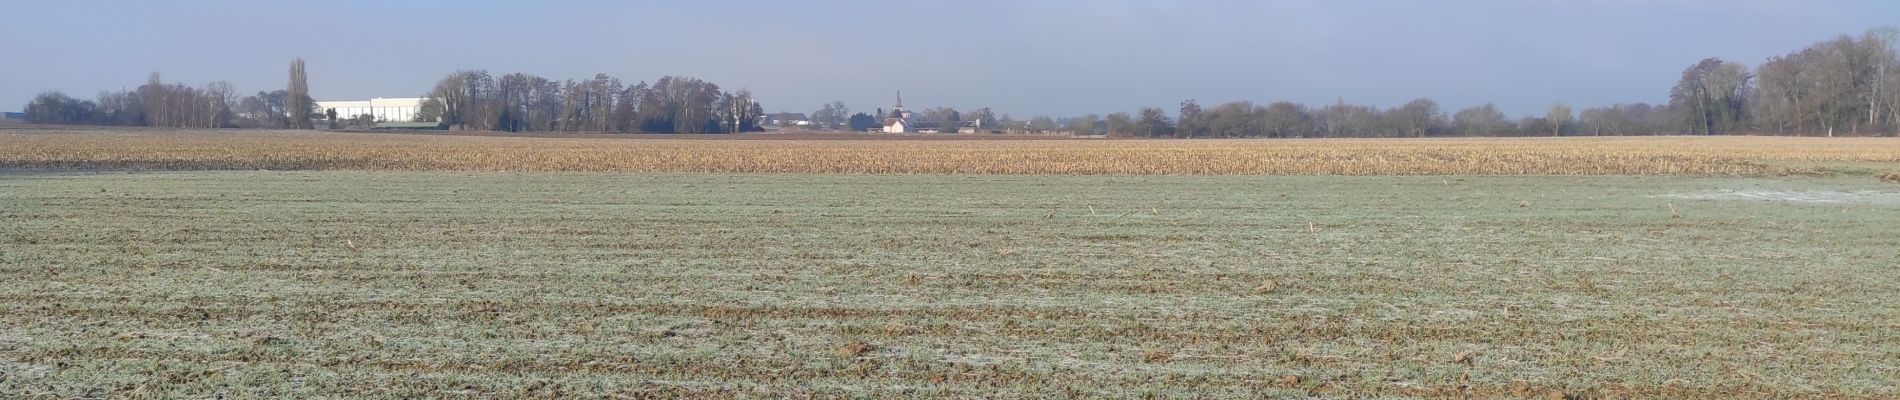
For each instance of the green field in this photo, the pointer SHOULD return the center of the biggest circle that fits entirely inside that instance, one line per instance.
(504, 285)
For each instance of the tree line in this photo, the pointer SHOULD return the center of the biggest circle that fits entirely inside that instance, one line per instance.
(471, 100)
(475, 100)
(176, 105)
(1844, 86)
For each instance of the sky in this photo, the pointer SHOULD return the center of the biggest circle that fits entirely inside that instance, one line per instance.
(1056, 57)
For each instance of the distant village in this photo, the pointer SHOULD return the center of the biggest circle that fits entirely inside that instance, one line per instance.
(899, 120)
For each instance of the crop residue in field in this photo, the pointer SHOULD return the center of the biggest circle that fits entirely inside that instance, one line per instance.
(1795, 196)
(324, 151)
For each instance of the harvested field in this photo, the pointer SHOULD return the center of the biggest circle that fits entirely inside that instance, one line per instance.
(244, 284)
(290, 150)
(490, 266)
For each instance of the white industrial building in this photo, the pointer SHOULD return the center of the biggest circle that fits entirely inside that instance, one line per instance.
(400, 109)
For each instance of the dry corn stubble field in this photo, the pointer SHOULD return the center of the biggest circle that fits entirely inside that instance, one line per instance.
(291, 150)
(460, 284)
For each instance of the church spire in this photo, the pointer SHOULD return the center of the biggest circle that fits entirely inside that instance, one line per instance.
(900, 99)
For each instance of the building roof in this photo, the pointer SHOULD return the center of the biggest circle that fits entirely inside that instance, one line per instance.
(407, 125)
(396, 102)
(376, 102)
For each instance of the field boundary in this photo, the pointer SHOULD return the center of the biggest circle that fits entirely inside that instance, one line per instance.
(157, 149)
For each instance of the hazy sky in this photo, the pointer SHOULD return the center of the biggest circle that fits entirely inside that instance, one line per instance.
(1059, 58)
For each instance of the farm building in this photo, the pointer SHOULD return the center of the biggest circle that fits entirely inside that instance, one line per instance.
(896, 125)
(787, 119)
(972, 126)
(398, 109)
(407, 125)
(13, 116)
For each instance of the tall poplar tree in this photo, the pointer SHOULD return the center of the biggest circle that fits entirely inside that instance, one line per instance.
(299, 98)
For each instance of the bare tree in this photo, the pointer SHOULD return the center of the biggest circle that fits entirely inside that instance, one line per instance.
(1190, 122)
(1558, 116)
(1883, 51)
(57, 108)
(739, 112)
(156, 112)
(1617, 119)
(447, 99)
(1121, 124)
(1712, 91)
(1285, 119)
(831, 115)
(1783, 96)
(1483, 120)
(220, 99)
(299, 95)
(941, 115)
(1155, 122)
(264, 110)
(1343, 119)
(1416, 118)
(603, 90)
(824, 114)
(515, 91)
(121, 108)
(626, 107)
(1084, 125)
(1042, 123)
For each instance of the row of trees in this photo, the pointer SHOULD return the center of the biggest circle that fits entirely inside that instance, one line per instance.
(176, 105)
(1417, 118)
(1848, 85)
(475, 100)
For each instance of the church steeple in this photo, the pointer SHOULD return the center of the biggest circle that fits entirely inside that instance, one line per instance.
(898, 111)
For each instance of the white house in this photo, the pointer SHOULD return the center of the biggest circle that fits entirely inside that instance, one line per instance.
(899, 122)
(398, 109)
(896, 125)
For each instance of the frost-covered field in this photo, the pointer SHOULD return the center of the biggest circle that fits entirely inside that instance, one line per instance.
(443, 284)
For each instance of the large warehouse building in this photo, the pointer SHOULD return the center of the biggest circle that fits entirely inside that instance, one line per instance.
(401, 109)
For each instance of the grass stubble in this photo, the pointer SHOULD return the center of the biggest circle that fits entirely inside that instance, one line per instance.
(452, 284)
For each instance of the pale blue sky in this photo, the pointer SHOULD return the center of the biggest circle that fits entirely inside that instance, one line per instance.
(1059, 58)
